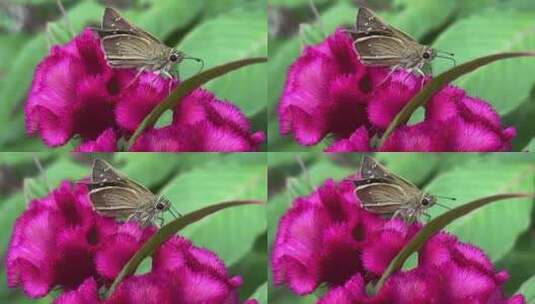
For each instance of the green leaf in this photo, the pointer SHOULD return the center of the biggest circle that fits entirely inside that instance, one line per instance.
(528, 290)
(415, 167)
(531, 146)
(483, 177)
(166, 16)
(418, 18)
(437, 224)
(222, 181)
(9, 212)
(236, 35)
(295, 3)
(165, 233)
(505, 84)
(142, 166)
(10, 46)
(185, 88)
(261, 294)
(522, 119)
(439, 82)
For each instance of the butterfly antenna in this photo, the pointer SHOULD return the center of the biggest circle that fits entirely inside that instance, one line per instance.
(448, 58)
(443, 206)
(447, 197)
(197, 60)
(67, 22)
(174, 211)
(446, 53)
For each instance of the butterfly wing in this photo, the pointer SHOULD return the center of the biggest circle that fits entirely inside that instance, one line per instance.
(370, 169)
(115, 201)
(112, 22)
(129, 51)
(127, 46)
(381, 44)
(380, 196)
(380, 50)
(114, 194)
(105, 174)
(380, 186)
(368, 22)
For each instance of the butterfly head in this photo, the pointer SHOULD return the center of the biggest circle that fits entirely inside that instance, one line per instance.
(428, 201)
(176, 56)
(428, 54)
(162, 204)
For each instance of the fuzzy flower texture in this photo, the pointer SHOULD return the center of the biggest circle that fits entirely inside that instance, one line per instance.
(75, 93)
(328, 239)
(330, 92)
(60, 241)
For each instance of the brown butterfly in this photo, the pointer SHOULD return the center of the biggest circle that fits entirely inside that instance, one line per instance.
(128, 46)
(383, 192)
(380, 44)
(113, 194)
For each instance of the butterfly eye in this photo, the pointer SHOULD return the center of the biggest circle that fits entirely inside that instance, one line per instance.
(173, 57)
(426, 202)
(160, 206)
(426, 55)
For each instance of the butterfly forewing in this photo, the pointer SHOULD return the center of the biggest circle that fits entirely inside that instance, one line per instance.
(383, 192)
(380, 44)
(368, 22)
(129, 51)
(115, 201)
(127, 46)
(370, 168)
(114, 194)
(380, 50)
(381, 197)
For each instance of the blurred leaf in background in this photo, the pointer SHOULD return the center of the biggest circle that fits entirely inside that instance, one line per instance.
(216, 31)
(190, 181)
(504, 230)
(470, 29)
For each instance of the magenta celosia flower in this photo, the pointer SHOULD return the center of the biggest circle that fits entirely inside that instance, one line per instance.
(328, 239)
(75, 93)
(203, 123)
(54, 242)
(105, 142)
(87, 293)
(330, 92)
(61, 241)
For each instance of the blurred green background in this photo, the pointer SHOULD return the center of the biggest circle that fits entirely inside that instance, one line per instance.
(189, 181)
(470, 29)
(505, 229)
(218, 31)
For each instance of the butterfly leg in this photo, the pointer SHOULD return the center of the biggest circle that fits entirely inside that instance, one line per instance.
(392, 71)
(166, 73)
(141, 70)
(397, 214)
(131, 217)
(421, 73)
